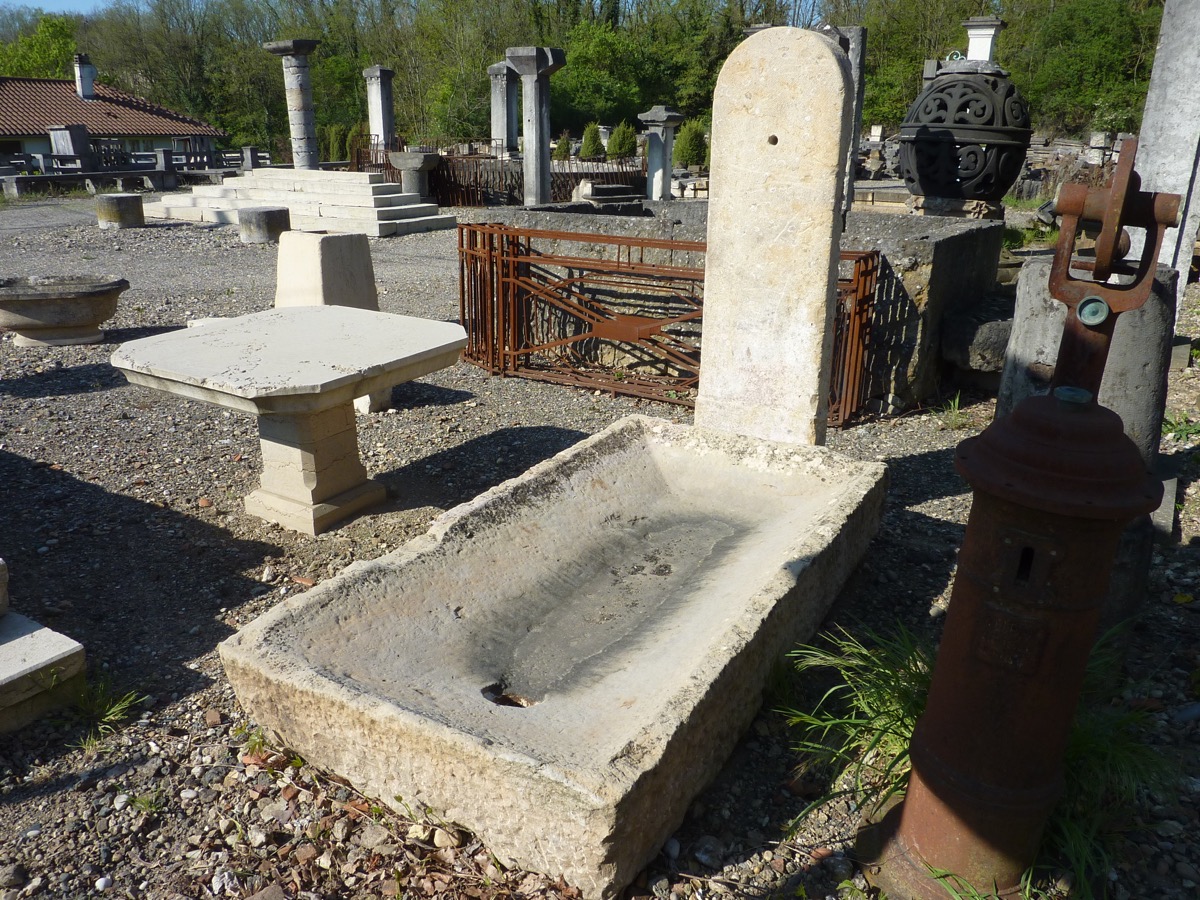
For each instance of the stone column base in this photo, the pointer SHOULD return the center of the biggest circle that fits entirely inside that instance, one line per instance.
(314, 518)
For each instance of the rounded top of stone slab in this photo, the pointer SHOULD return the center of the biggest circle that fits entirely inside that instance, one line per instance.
(48, 287)
(296, 47)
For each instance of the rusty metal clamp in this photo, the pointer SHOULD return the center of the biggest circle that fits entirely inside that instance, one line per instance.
(1093, 304)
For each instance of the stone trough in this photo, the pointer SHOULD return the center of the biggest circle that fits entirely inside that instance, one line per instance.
(563, 663)
(51, 310)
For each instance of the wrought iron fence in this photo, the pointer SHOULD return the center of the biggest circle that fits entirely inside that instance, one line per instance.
(620, 314)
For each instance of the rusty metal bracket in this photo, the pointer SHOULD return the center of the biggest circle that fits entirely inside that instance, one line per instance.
(1116, 285)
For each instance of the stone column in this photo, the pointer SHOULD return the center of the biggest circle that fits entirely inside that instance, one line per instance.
(661, 122)
(504, 109)
(1168, 157)
(981, 36)
(853, 41)
(298, 88)
(782, 114)
(380, 112)
(534, 65)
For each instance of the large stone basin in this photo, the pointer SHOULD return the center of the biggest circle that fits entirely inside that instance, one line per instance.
(50, 310)
(564, 662)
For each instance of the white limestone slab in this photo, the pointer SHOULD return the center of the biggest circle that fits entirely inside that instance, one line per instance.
(781, 124)
(280, 359)
(634, 591)
(39, 669)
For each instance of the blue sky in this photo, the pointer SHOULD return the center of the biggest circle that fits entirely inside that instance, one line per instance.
(58, 6)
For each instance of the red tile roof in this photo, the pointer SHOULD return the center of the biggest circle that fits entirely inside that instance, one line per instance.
(29, 105)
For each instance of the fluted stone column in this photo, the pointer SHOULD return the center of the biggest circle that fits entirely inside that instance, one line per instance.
(661, 122)
(298, 89)
(380, 113)
(505, 115)
(534, 65)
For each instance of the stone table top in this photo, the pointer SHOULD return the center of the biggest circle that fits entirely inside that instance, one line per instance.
(292, 359)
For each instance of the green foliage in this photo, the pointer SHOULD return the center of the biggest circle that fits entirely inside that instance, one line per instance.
(863, 726)
(102, 711)
(47, 52)
(591, 147)
(601, 79)
(1180, 426)
(622, 142)
(952, 415)
(562, 149)
(691, 144)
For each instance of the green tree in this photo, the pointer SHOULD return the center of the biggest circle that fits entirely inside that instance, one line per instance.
(601, 80)
(562, 149)
(622, 142)
(591, 148)
(691, 144)
(45, 53)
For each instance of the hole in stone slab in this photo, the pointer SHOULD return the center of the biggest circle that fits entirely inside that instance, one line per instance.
(773, 140)
(499, 694)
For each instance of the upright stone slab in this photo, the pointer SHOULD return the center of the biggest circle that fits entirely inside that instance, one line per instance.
(535, 65)
(329, 270)
(781, 125)
(505, 112)
(661, 122)
(380, 114)
(1168, 156)
(297, 86)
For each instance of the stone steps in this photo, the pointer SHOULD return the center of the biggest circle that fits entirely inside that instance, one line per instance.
(339, 202)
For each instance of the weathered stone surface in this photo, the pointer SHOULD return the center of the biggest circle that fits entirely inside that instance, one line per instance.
(298, 369)
(54, 310)
(325, 270)
(117, 211)
(627, 598)
(263, 224)
(40, 670)
(781, 123)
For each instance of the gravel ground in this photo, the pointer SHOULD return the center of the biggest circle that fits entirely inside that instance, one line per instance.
(123, 527)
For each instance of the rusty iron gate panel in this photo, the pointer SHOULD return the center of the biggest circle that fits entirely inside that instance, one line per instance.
(629, 323)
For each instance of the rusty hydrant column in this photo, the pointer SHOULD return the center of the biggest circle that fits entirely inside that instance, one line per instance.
(535, 65)
(1054, 485)
(297, 87)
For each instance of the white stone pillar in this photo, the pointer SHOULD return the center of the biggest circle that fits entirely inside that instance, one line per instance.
(981, 36)
(505, 114)
(381, 115)
(782, 114)
(534, 65)
(1168, 156)
(661, 122)
(297, 88)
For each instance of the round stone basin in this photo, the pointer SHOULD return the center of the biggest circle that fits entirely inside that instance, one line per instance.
(51, 310)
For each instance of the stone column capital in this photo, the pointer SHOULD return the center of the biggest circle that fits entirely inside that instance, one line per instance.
(378, 73)
(661, 117)
(531, 62)
(297, 47)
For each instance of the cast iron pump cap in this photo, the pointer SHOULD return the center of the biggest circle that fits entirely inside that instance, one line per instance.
(1061, 454)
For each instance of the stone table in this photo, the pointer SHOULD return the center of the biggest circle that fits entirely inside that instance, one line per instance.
(298, 369)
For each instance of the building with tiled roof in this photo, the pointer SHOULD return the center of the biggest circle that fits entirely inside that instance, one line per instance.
(30, 107)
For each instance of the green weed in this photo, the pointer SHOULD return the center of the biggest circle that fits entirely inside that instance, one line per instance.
(102, 709)
(1180, 426)
(951, 414)
(862, 727)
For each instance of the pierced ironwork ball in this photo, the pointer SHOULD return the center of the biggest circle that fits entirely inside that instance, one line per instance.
(966, 135)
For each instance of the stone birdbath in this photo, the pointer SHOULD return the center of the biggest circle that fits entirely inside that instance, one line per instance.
(51, 310)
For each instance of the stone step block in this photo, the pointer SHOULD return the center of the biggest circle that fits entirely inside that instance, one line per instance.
(310, 175)
(377, 200)
(40, 670)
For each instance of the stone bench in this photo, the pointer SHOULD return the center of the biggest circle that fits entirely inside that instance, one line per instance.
(298, 369)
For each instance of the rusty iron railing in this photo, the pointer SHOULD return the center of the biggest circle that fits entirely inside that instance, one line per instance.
(619, 314)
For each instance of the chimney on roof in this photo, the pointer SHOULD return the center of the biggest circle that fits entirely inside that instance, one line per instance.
(85, 77)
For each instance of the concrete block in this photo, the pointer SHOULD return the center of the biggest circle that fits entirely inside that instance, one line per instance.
(40, 670)
(781, 125)
(117, 211)
(263, 224)
(325, 270)
(564, 662)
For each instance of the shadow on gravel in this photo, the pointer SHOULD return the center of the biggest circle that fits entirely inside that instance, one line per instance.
(418, 394)
(141, 586)
(84, 379)
(923, 476)
(453, 476)
(116, 336)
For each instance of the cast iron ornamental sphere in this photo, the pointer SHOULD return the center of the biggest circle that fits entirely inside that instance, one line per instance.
(966, 134)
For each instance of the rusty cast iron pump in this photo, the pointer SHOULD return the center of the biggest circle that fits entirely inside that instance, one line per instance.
(1055, 483)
